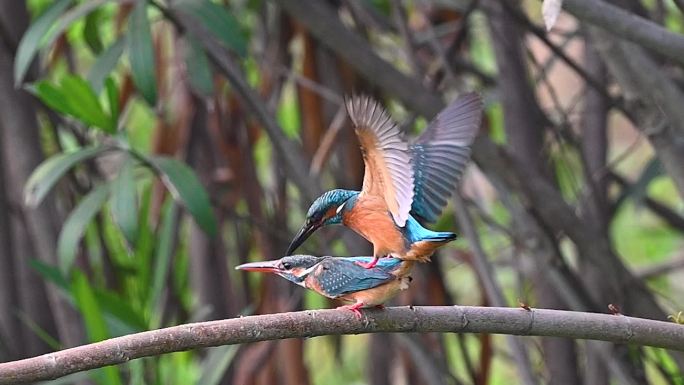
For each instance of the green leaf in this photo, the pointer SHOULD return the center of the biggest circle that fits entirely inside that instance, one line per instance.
(146, 241)
(75, 226)
(162, 260)
(186, 188)
(123, 202)
(113, 98)
(105, 64)
(91, 32)
(85, 104)
(36, 329)
(34, 37)
(51, 170)
(198, 68)
(53, 97)
(118, 307)
(141, 53)
(95, 325)
(218, 21)
(75, 97)
(49, 273)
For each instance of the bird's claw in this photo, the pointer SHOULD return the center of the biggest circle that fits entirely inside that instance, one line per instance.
(370, 264)
(354, 308)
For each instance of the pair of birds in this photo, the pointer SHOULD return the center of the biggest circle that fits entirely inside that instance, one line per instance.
(404, 183)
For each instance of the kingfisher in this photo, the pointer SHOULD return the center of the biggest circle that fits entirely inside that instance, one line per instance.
(342, 277)
(404, 181)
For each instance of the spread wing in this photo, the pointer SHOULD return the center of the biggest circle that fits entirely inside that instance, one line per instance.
(441, 153)
(339, 276)
(386, 155)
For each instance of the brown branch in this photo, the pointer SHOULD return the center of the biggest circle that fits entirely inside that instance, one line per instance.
(313, 323)
(626, 25)
(323, 23)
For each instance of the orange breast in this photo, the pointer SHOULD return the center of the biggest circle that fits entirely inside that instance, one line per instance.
(370, 218)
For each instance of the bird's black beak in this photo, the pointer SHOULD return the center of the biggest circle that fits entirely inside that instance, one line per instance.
(262, 266)
(303, 234)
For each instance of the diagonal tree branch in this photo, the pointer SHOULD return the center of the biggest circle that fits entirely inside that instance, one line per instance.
(626, 25)
(313, 323)
(321, 20)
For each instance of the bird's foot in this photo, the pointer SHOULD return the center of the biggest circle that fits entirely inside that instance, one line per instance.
(354, 308)
(370, 264)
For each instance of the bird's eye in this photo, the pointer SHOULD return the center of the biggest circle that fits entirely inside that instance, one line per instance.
(287, 265)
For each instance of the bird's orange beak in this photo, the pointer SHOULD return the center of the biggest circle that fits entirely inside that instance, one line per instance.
(303, 234)
(262, 266)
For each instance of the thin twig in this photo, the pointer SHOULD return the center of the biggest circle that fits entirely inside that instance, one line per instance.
(328, 141)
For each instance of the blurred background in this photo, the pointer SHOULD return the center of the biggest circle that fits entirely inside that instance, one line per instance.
(149, 147)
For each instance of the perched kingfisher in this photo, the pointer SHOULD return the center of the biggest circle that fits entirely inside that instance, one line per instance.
(402, 180)
(342, 277)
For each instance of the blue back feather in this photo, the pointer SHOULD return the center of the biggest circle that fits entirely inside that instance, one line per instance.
(341, 275)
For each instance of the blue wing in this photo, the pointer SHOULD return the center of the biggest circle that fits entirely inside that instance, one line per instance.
(340, 276)
(441, 153)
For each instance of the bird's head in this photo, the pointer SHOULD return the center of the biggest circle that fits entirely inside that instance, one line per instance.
(294, 268)
(327, 209)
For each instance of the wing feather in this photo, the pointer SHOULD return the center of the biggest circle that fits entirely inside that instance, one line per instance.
(389, 172)
(339, 276)
(441, 153)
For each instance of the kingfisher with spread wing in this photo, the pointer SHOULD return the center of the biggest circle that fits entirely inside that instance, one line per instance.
(402, 181)
(342, 277)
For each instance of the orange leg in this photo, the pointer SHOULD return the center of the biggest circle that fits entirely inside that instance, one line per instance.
(370, 264)
(354, 308)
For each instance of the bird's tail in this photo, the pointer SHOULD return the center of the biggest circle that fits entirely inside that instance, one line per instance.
(442, 236)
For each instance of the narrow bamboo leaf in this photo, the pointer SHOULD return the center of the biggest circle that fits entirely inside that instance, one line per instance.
(76, 224)
(105, 64)
(141, 53)
(216, 363)
(162, 260)
(144, 246)
(91, 32)
(118, 307)
(50, 171)
(53, 97)
(198, 68)
(187, 189)
(123, 202)
(41, 333)
(218, 21)
(113, 98)
(85, 103)
(49, 273)
(70, 16)
(95, 325)
(34, 37)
